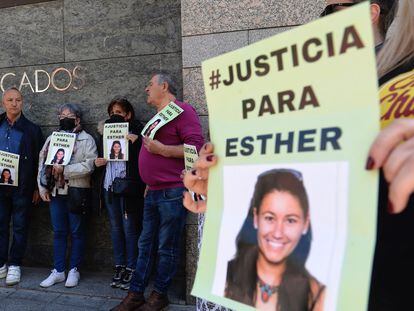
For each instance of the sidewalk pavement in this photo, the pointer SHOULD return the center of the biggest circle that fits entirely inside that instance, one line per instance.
(92, 293)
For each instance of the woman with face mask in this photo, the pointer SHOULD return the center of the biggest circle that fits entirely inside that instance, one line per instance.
(124, 209)
(68, 196)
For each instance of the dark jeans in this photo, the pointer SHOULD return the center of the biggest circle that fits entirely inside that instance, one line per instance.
(124, 231)
(163, 226)
(65, 223)
(15, 207)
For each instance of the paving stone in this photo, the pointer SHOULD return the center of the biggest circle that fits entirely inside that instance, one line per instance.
(34, 296)
(80, 301)
(5, 292)
(22, 305)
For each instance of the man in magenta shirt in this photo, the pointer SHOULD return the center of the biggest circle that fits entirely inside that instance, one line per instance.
(161, 161)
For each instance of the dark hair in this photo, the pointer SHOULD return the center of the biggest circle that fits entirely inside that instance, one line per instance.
(112, 154)
(55, 160)
(387, 13)
(124, 103)
(10, 180)
(294, 290)
(165, 76)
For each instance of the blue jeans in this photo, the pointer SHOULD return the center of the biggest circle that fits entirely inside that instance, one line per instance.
(124, 232)
(65, 223)
(163, 225)
(15, 207)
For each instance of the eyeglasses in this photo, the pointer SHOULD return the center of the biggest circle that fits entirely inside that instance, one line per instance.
(332, 8)
(70, 116)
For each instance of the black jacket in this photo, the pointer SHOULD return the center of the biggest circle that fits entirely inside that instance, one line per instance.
(32, 142)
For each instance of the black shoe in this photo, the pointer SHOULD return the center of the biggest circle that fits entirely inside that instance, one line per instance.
(117, 278)
(126, 278)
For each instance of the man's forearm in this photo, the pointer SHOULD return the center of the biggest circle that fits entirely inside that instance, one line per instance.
(176, 151)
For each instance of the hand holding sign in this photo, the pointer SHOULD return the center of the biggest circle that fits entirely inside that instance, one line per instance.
(132, 138)
(196, 180)
(153, 145)
(393, 151)
(100, 162)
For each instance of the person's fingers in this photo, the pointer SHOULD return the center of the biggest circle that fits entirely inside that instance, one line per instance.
(401, 187)
(400, 130)
(192, 206)
(204, 163)
(195, 183)
(207, 149)
(397, 158)
(189, 203)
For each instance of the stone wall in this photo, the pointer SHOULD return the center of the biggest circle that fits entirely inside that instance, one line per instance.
(211, 28)
(114, 46)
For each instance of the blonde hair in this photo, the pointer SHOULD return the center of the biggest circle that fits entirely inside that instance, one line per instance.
(399, 47)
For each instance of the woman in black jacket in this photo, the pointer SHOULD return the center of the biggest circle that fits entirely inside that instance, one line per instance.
(124, 210)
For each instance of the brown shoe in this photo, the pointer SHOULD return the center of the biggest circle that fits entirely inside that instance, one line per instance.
(131, 302)
(156, 302)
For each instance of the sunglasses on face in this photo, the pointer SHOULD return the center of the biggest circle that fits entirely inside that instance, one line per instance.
(332, 8)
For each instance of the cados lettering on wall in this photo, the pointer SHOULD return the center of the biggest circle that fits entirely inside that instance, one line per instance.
(60, 79)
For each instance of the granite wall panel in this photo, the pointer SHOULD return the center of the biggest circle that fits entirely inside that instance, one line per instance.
(199, 48)
(260, 34)
(206, 17)
(31, 34)
(106, 28)
(194, 89)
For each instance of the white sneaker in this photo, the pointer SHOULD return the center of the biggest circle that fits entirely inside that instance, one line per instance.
(73, 278)
(3, 271)
(13, 275)
(53, 278)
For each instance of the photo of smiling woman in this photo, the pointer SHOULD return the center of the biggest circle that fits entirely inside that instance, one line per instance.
(151, 127)
(59, 157)
(6, 177)
(269, 274)
(116, 150)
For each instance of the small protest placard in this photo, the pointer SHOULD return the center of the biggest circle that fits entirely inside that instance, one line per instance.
(169, 113)
(115, 143)
(60, 148)
(291, 215)
(9, 168)
(190, 157)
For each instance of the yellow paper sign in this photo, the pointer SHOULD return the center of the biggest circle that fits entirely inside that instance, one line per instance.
(291, 216)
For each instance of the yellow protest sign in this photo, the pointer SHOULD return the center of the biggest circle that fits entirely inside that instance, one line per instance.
(291, 210)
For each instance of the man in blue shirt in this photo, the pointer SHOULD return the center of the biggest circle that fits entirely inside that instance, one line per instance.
(19, 136)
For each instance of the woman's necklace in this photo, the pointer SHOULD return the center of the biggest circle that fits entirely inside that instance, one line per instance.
(266, 290)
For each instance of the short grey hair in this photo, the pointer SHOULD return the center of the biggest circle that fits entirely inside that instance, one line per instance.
(165, 76)
(13, 88)
(73, 108)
